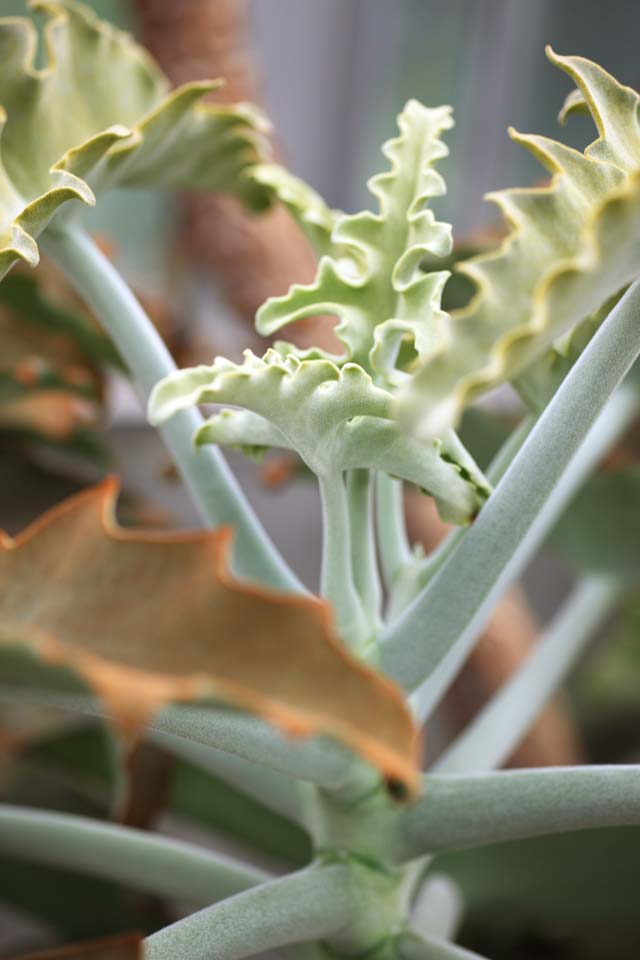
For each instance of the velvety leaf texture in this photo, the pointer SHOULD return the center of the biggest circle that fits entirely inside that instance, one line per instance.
(573, 244)
(371, 275)
(146, 618)
(100, 114)
(334, 417)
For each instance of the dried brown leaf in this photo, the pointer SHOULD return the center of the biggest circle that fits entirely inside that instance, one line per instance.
(147, 618)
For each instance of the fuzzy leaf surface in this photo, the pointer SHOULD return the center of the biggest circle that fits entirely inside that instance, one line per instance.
(371, 276)
(100, 114)
(146, 618)
(572, 245)
(336, 418)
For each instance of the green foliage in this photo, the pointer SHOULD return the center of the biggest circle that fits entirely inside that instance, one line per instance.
(371, 276)
(99, 115)
(334, 417)
(573, 244)
(101, 620)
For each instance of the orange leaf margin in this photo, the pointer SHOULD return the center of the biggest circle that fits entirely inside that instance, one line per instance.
(148, 618)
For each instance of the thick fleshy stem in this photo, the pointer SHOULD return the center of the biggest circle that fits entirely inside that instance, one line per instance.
(364, 560)
(310, 905)
(336, 578)
(519, 514)
(156, 864)
(497, 729)
(457, 812)
(215, 490)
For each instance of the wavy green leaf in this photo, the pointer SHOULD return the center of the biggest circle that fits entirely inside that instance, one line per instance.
(305, 205)
(334, 417)
(372, 278)
(573, 244)
(99, 115)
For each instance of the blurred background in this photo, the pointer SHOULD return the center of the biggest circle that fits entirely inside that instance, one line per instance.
(332, 76)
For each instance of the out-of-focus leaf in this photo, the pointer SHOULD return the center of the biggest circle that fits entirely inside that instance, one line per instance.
(209, 801)
(74, 905)
(85, 759)
(54, 414)
(100, 114)
(600, 532)
(125, 947)
(608, 685)
(149, 618)
(371, 277)
(578, 879)
(50, 381)
(29, 299)
(334, 417)
(573, 244)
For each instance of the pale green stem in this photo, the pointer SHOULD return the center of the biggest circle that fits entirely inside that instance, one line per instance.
(318, 760)
(395, 550)
(156, 864)
(457, 812)
(410, 946)
(363, 548)
(214, 488)
(614, 420)
(274, 790)
(336, 578)
(417, 579)
(310, 905)
(547, 471)
(495, 732)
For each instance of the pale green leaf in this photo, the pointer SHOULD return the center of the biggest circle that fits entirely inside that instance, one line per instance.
(306, 206)
(99, 115)
(573, 244)
(371, 278)
(334, 417)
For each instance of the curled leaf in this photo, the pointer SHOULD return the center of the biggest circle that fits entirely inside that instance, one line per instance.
(147, 618)
(100, 114)
(372, 277)
(334, 417)
(573, 244)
